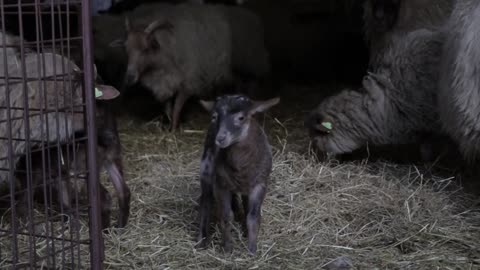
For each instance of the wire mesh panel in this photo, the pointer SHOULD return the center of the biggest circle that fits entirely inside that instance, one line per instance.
(48, 189)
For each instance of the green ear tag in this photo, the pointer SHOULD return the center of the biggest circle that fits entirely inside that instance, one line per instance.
(327, 125)
(98, 93)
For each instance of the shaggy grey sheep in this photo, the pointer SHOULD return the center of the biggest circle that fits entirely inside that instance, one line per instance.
(396, 104)
(459, 86)
(181, 52)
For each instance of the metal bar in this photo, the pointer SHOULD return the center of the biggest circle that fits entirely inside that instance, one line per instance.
(26, 122)
(96, 247)
(14, 243)
(57, 121)
(63, 70)
(39, 4)
(44, 119)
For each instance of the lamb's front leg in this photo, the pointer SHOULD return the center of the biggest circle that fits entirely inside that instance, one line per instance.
(225, 199)
(255, 200)
(206, 202)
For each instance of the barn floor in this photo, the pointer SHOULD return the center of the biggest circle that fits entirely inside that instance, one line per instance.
(374, 215)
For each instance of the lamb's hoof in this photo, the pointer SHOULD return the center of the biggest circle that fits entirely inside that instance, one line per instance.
(227, 248)
(120, 225)
(202, 243)
(252, 250)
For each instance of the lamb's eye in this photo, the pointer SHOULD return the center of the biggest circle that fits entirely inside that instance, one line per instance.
(214, 117)
(241, 118)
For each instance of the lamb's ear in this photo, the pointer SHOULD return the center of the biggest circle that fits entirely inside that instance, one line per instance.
(105, 92)
(261, 106)
(207, 105)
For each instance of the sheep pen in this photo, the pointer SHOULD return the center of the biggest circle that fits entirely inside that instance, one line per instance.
(371, 215)
(360, 214)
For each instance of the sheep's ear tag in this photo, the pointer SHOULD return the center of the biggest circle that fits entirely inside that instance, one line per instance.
(98, 93)
(327, 125)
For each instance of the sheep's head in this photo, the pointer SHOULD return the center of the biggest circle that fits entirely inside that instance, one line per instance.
(343, 123)
(347, 121)
(142, 47)
(330, 126)
(231, 116)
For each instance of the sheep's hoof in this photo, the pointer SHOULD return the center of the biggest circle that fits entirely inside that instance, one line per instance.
(172, 129)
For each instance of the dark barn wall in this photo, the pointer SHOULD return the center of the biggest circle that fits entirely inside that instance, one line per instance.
(314, 40)
(307, 39)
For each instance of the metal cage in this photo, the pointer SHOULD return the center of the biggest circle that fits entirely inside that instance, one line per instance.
(49, 195)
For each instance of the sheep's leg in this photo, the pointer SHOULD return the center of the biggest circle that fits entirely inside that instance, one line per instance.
(23, 198)
(180, 100)
(206, 202)
(65, 194)
(115, 171)
(65, 200)
(255, 201)
(168, 109)
(225, 199)
(106, 201)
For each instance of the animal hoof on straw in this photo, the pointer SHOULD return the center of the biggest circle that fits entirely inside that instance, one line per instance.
(119, 226)
(172, 129)
(252, 250)
(227, 248)
(202, 243)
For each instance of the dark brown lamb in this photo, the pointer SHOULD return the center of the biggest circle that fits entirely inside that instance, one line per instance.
(237, 159)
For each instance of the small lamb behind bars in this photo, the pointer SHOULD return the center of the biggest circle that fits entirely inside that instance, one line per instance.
(69, 172)
(56, 100)
(237, 158)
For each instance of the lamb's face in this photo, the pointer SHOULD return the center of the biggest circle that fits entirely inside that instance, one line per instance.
(232, 118)
(333, 126)
(232, 115)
